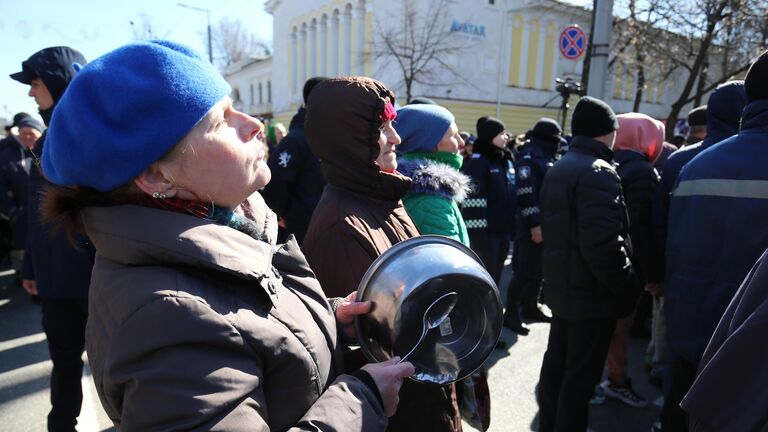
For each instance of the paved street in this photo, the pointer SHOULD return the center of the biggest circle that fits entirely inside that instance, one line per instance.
(513, 374)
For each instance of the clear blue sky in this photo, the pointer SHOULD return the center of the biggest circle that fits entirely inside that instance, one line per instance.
(95, 27)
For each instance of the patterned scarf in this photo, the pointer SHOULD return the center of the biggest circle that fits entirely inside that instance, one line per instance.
(240, 218)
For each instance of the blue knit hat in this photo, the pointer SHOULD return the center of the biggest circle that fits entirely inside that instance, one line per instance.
(421, 127)
(125, 110)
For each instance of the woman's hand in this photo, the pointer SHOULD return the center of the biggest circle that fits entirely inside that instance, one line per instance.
(346, 312)
(388, 377)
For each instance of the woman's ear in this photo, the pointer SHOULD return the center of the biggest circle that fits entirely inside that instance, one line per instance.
(155, 181)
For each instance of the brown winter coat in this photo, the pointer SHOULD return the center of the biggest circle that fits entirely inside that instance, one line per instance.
(196, 326)
(360, 215)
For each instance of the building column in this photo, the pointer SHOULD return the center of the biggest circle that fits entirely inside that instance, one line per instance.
(346, 43)
(335, 43)
(323, 67)
(359, 17)
(302, 56)
(313, 48)
(294, 63)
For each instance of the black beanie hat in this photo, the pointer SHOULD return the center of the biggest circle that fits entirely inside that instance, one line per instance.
(547, 129)
(593, 118)
(756, 82)
(487, 130)
(698, 116)
(310, 84)
(480, 121)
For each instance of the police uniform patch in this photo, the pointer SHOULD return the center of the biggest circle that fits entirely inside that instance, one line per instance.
(525, 172)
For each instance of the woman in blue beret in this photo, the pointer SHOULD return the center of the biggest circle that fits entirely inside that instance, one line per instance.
(198, 319)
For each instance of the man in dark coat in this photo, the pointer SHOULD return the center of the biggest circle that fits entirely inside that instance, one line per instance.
(55, 270)
(723, 113)
(590, 280)
(297, 178)
(536, 157)
(729, 391)
(721, 191)
(15, 167)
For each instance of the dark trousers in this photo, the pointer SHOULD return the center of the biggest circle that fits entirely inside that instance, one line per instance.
(679, 375)
(570, 370)
(526, 280)
(64, 325)
(492, 250)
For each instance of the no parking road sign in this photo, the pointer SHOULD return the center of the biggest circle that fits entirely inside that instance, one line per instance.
(573, 42)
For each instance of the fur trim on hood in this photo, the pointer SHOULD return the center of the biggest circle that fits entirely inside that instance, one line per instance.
(435, 178)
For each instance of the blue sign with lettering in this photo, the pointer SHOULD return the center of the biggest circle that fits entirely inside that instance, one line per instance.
(468, 28)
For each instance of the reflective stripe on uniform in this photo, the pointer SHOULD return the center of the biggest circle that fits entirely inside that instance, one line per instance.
(476, 223)
(529, 211)
(525, 190)
(475, 202)
(723, 188)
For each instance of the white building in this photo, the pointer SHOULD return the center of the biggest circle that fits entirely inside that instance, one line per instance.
(251, 81)
(508, 56)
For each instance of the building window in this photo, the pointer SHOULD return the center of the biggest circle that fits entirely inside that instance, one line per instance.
(261, 98)
(252, 97)
(269, 91)
(491, 2)
(236, 95)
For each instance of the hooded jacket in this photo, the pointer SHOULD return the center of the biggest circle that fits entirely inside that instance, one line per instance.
(60, 270)
(639, 143)
(716, 216)
(724, 109)
(197, 326)
(360, 215)
(55, 66)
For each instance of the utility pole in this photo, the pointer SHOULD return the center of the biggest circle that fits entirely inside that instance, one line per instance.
(600, 48)
(208, 16)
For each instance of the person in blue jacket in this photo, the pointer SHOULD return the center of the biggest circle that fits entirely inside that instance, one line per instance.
(716, 233)
(537, 155)
(55, 267)
(489, 211)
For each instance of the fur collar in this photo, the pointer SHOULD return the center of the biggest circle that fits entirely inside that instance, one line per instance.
(435, 178)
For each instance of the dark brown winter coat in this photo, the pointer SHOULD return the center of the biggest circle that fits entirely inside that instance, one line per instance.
(360, 215)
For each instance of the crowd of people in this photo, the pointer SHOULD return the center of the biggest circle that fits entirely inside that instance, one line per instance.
(208, 262)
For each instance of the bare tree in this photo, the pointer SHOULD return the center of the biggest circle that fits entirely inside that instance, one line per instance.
(142, 29)
(234, 43)
(421, 44)
(706, 42)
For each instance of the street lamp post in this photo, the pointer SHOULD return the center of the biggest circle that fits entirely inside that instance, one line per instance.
(208, 16)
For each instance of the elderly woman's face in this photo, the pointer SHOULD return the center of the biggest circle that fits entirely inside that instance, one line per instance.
(388, 140)
(222, 158)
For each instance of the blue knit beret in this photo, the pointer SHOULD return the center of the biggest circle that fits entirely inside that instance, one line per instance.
(125, 110)
(421, 127)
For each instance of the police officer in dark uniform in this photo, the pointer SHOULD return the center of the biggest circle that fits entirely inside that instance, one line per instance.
(537, 156)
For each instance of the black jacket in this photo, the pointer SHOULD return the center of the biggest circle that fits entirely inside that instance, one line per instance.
(587, 265)
(297, 179)
(639, 181)
(536, 157)
(60, 270)
(15, 165)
